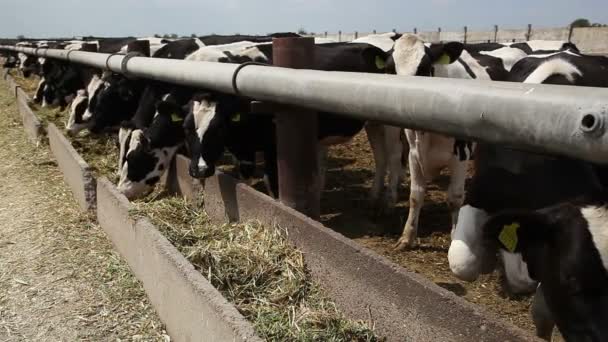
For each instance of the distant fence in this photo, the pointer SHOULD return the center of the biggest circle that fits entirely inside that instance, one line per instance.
(592, 40)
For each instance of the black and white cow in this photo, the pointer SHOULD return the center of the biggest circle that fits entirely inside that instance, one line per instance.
(221, 109)
(521, 183)
(565, 249)
(138, 178)
(109, 92)
(430, 152)
(215, 125)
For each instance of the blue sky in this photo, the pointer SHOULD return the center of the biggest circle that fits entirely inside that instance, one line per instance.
(44, 18)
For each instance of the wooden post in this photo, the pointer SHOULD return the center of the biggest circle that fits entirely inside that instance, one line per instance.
(297, 135)
(415, 30)
(529, 34)
(340, 35)
(465, 34)
(570, 31)
(495, 33)
(356, 34)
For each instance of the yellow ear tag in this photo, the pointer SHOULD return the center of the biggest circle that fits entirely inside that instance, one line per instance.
(380, 63)
(508, 236)
(236, 117)
(444, 59)
(176, 118)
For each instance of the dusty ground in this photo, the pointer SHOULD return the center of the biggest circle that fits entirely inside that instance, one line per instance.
(60, 280)
(345, 209)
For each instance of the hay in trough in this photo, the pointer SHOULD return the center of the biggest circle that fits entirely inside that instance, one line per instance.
(29, 85)
(257, 269)
(100, 152)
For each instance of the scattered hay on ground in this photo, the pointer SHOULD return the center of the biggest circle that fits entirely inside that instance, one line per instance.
(257, 269)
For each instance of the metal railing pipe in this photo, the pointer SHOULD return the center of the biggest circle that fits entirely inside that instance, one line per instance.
(557, 119)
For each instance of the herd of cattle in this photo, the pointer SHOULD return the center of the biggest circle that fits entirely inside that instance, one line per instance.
(544, 217)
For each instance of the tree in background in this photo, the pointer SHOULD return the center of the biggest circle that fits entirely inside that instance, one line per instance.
(581, 22)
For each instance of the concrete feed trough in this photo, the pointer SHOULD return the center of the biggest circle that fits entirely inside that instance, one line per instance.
(76, 172)
(186, 302)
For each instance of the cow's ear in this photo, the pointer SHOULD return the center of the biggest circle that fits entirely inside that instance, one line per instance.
(376, 58)
(445, 53)
(522, 232)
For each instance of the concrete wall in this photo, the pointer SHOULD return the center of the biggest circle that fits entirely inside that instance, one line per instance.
(404, 306)
(190, 307)
(589, 39)
(76, 172)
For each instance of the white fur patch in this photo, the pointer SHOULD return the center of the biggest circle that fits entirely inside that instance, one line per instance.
(204, 112)
(214, 52)
(508, 55)
(409, 52)
(457, 70)
(381, 41)
(92, 88)
(516, 272)
(597, 219)
(201, 164)
(465, 250)
(553, 67)
(72, 126)
(123, 135)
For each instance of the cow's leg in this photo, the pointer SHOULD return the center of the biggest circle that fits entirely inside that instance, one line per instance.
(419, 144)
(458, 174)
(123, 137)
(394, 151)
(39, 91)
(541, 316)
(375, 135)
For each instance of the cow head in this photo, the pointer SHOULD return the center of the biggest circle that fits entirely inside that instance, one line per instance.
(149, 152)
(113, 102)
(411, 57)
(206, 128)
(509, 179)
(566, 250)
(79, 117)
(28, 64)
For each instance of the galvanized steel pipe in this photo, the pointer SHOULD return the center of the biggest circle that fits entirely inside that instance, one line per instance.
(556, 119)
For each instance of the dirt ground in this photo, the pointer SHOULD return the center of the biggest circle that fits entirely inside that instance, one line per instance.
(60, 280)
(345, 208)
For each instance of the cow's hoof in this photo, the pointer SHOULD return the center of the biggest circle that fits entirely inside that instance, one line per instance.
(405, 243)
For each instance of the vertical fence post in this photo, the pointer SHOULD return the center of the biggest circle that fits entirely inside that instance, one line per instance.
(356, 34)
(340, 36)
(439, 40)
(570, 30)
(297, 136)
(374, 31)
(495, 33)
(325, 34)
(529, 34)
(466, 29)
(394, 30)
(415, 30)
